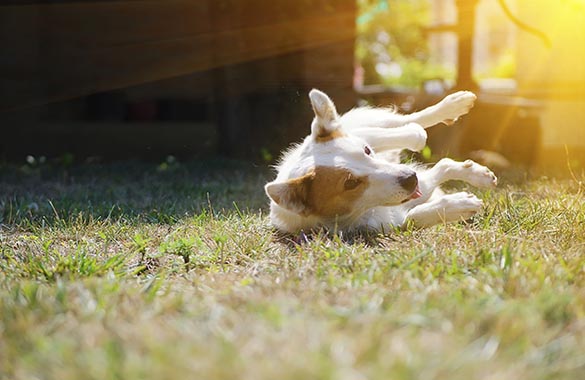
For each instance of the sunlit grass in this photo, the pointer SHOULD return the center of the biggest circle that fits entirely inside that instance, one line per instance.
(178, 281)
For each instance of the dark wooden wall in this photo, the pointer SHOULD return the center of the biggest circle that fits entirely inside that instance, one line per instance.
(252, 61)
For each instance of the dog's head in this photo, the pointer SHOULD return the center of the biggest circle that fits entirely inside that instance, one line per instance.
(336, 176)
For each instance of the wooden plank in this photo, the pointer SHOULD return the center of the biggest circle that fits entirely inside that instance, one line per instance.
(64, 50)
(132, 140)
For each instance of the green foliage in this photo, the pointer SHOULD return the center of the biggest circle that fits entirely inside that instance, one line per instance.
(183, 247)
(391, 36)
(505, 67)
(50, 265)
(140, 243)
(426, 153)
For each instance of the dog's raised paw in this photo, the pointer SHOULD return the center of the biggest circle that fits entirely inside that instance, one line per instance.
(456, 105)
(478, 175)
(461, 206)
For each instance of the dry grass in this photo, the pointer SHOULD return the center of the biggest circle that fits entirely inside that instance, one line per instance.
(127, 272)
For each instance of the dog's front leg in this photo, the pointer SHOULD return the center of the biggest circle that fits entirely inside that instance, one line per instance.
(446, 111)
(447, 208)
(468, 171)
(448, 170)
(411, 136)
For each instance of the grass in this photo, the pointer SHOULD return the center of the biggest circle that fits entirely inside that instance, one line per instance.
(134, 271)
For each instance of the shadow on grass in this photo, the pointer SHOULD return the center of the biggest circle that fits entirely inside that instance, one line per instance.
(135, 192)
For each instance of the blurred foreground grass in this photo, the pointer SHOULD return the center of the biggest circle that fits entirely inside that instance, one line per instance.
(137, 271)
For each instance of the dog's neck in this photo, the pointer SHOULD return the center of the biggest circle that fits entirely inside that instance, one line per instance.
(291, 222)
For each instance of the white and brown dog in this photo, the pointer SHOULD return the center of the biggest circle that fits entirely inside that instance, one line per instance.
(346, 174)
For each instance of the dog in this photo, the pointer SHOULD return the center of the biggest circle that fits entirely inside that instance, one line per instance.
(346, 175)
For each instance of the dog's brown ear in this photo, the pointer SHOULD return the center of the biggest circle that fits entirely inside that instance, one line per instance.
(292, 194)
(326, 120)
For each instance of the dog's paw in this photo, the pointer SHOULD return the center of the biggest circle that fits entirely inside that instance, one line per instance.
(478, 175)
(418, 138)
(456, 105)
(460, 206)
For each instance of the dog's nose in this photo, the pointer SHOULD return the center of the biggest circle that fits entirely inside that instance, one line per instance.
(408, 181)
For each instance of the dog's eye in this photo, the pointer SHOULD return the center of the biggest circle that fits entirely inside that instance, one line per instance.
(351, 183)
(367, 150)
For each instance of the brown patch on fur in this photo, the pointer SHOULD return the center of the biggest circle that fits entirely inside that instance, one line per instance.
(321, 138)
(324, 191)
(329, 196)
(293, 193)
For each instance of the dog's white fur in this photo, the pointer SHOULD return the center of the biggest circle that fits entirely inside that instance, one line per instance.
(334, 179)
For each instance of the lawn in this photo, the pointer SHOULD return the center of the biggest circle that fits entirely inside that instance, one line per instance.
(171, 271)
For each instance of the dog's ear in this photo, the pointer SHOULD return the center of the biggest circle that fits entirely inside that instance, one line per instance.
(292, 194)
(326, 119)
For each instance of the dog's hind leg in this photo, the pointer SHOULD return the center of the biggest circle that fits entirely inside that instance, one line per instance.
(447, 208)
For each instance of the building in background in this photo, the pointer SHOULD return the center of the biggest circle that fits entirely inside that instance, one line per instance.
(145, 79)
(526, 61)
(510, 60)
(555, 74)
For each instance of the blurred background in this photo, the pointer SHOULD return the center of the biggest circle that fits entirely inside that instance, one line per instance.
(103, 80)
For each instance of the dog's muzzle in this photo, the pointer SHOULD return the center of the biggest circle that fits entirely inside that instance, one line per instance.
(409, 182)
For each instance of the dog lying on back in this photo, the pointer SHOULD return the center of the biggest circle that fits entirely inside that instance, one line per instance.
(346, 174)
